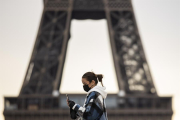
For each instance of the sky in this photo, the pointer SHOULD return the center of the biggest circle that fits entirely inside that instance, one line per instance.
(159, 28)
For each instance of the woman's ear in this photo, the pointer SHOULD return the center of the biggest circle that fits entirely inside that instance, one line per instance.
(93, 82)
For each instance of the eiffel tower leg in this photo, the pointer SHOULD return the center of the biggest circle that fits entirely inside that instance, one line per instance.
(131, 67)
(46, 65)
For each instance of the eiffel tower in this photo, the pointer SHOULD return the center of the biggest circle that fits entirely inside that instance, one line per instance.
(39, 98)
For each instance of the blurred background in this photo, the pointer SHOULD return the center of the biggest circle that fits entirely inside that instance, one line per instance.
(159, 28)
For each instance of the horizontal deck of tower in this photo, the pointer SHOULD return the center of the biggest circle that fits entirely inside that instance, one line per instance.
(48, 107)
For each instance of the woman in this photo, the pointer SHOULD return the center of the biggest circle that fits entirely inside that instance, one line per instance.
(94, 107)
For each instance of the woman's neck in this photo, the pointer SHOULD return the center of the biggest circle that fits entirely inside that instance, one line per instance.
(93, 86)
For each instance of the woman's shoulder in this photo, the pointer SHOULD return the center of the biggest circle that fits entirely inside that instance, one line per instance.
(94, 94)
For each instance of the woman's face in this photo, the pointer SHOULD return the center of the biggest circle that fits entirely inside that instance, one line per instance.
(86, 82)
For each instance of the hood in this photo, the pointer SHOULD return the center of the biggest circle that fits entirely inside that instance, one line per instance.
(99, 89)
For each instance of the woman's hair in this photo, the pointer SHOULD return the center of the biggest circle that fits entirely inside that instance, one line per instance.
(92, 76)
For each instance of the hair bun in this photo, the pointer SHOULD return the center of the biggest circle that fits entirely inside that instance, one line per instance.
(99, 76)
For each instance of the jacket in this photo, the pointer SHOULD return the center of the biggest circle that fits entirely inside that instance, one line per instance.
(94, 107)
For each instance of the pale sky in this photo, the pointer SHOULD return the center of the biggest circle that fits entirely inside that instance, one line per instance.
(89, 48)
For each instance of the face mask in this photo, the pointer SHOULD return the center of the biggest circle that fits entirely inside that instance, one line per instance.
(86, 88)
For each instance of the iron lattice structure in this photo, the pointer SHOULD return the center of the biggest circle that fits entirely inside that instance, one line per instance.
(137, 98)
